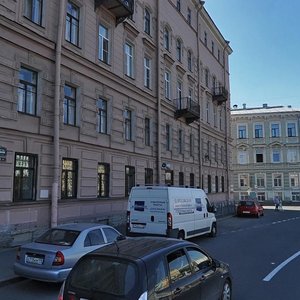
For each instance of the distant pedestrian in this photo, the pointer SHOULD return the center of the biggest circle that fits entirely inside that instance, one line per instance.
(276, 203)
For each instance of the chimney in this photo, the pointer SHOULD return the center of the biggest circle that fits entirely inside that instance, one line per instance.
(244, 105)
(235, 106)
(265, 105)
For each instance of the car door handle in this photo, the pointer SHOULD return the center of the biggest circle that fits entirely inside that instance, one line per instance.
(177, 291)
(202, 278)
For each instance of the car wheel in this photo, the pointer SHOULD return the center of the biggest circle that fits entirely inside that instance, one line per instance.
(213, 231)
(180, 235)
(226, 292)
(257, 215)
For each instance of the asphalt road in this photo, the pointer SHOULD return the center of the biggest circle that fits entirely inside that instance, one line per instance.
(253, 247)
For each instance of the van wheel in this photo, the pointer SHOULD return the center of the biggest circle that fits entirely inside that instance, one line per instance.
(180, 235)
(213, 231)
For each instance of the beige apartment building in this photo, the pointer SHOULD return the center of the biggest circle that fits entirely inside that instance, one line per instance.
(97, 96)
(266, 152)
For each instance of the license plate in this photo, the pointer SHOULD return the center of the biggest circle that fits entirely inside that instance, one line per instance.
(138, 225)
(34, 260)
(246, 212)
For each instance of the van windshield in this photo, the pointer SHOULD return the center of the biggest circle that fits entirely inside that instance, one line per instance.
(101, 275)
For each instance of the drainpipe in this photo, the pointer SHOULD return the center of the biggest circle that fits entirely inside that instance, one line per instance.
(158, 97)
(226, 125)
(199, 89)
(56, 168)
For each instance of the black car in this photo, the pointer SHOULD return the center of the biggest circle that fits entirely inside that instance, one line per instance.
(148, 268)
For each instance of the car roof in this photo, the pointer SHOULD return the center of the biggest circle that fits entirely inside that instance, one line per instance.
(141, 247)
(79, 226)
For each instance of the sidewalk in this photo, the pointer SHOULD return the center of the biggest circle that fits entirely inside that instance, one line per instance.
(7, 259)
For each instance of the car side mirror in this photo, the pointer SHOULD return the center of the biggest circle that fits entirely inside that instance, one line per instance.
(121, 237)
(212, 209)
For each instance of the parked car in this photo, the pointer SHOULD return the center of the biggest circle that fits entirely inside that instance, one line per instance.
(52, 256)
(250, 208)
(148, 268)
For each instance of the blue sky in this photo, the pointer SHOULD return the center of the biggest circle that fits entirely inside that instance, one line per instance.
(265, 38)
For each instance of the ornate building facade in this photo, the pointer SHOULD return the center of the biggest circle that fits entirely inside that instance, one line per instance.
(98, 96)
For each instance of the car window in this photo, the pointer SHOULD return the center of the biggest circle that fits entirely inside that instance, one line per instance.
(93, 238)
(104, 275)
(111, 234)
(58, 237)
(199, 260)
(179, 266)
(158, 277)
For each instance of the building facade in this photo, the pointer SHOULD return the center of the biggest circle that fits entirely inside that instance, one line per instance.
(266, 152)
(98, 96)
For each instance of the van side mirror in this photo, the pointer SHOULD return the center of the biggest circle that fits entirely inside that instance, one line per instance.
(212, 209)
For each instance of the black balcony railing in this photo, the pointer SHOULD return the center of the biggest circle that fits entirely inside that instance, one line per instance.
(187, 108)
(220, 94)
(120, 8)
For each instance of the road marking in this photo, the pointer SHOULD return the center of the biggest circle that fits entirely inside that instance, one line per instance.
(282, 265)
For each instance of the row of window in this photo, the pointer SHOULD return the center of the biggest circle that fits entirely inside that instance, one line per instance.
(25, 178)
(262, 196)
(274, 132)
(27, 103)
(33, 11)
(276, 155)
(245, 180)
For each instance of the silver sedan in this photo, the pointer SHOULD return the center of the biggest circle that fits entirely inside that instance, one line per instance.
(52, 256)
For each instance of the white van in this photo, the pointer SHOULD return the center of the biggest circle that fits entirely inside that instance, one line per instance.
(170, 211)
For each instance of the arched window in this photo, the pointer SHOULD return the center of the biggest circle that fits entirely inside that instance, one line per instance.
(167, 39)
(147, 21)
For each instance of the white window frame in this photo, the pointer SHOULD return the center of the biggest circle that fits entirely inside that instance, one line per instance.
(242, 128)
(129, 56)
(260, 180)
(147, 72)
(261, 129)
(277, 180)
(104, 40)
(277, 134)
(294, 180)
(168, 84)
(246, 180)
(276, 151)
(293, 129)
(243, 157)
(292, 155)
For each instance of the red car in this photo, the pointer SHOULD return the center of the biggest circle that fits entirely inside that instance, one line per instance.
(250, 207)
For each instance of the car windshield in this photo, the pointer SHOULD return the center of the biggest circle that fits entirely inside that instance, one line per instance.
(60, 237)
(101, 275)
(247, 203)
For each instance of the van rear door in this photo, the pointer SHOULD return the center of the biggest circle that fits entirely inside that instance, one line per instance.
(148, 210)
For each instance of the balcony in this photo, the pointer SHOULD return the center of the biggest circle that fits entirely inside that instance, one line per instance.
(187, 108)
(121, 9)
(220, 94)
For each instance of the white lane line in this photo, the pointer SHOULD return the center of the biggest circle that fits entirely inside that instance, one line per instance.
(282, 265)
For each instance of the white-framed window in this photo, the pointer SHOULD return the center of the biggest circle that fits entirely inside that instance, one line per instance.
(261, 196)
(291, 129)
(244, 180)
(69, 106)
(294, 180)
(102, 115)
(243, 157)
(244, 196)
(104, 44)
(179, 89)
(277, 180)
(295, 196)
(292, 155)
(167, 39)
(258, 131)
(128, 124)
(275, 130)
(260, 180)
(33, 11)
(276, 155)
(147, 72)
(72, 24)
(242, 131)
(147, 21)
(129, 60)
(179, 50)
(167, 84)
